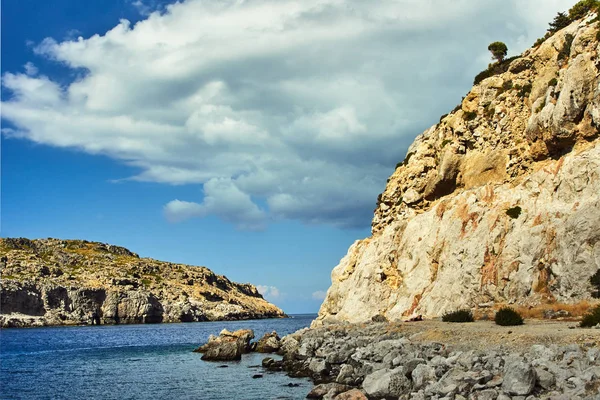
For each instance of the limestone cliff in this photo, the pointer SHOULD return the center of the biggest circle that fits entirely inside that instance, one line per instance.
(498, 203)
(63, 282)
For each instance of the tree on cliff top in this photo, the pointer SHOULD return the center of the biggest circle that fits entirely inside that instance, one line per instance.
(561, 20)
(498, 50)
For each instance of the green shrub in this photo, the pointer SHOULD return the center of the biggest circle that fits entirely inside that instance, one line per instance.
(458, 316)
(405, 161)
(541, 106)
(508, 317)
(553, 82)
(514, 212)
(494, 69)
(523, 90)
(598, 35)
(581, 9)
(469, 115)
(595, 281)
(591, 319)
(564, 53)
(507, 85)
(486, 73)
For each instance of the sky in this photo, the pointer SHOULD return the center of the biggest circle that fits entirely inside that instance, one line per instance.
(248, 136)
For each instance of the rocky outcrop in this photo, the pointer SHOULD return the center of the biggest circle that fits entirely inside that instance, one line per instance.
(269, 343)
(498, 203)
(65, 282)
(228, 346)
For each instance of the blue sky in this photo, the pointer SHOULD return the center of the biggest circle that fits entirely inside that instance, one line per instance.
(250, 137)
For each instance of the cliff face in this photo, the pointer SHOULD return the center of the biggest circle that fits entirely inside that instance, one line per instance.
(498, 203)
(61, 282)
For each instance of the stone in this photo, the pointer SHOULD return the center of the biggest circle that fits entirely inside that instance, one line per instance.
(545, 379)
(519, 378)
(353, 394)
(319, 391)
(269, 343)
(386, 383)
(422, 375)
(345, 376)
(487, 394)
(317, 366)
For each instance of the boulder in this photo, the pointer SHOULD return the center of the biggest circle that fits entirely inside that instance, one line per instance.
(353, 394)
(269, 343)
(386, 383)
(331, 389)
(422, 375)
(228, 346)
(519, 378)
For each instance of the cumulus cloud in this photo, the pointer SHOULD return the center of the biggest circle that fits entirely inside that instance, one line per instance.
(302, 107)
(222, 198)
(270, 292)
(30, 69)
(319, 295)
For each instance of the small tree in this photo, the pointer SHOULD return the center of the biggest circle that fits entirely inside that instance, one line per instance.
(561, 20)
(498, 50)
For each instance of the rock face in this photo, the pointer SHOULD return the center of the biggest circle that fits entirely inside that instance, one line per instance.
(62, 282)
(498, 203)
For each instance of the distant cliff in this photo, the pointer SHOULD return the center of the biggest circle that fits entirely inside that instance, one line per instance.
(497, 203)
(65, 282)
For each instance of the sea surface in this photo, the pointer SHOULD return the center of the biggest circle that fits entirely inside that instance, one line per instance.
(138, 362)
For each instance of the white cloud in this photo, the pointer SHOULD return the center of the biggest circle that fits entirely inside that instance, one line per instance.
(270, 292)
(221, 198)
(30, 69)
(303, 106)
(319, 295)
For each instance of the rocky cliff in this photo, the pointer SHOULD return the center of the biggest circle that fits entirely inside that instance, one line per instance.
(63, 282)
(497, 203)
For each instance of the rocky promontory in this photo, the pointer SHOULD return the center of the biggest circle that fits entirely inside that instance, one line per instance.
(69, 282)
(496, 204)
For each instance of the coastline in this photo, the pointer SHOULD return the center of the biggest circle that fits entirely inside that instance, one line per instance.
(434, 359)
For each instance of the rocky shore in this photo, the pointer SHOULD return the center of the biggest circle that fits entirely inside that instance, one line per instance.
(436, 360)
(72, 282)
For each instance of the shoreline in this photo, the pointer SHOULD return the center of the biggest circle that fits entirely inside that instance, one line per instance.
(435, 359)
(35, 321)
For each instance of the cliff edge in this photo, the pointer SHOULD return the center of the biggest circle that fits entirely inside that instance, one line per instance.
(498, 203)
(67, 282)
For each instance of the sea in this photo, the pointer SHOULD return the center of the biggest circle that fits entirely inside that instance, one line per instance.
(139, 362)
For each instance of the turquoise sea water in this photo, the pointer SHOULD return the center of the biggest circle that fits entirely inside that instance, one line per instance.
(138, 362)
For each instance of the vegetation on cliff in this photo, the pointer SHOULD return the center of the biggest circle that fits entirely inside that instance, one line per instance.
(51, 281)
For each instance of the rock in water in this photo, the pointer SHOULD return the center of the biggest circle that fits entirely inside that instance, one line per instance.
(498, 203)
(67, 282)
(228, 346)
(269, 343)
